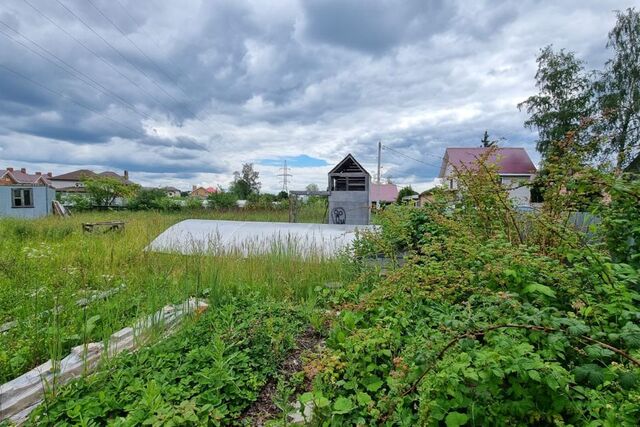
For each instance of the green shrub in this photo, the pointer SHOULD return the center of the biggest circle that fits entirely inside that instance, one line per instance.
(222, 200)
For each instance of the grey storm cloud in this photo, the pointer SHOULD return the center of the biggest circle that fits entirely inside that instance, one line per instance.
(184, 92)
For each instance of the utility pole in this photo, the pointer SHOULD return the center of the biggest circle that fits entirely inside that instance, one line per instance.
(379, 153)
(285, 177)
(378, 177)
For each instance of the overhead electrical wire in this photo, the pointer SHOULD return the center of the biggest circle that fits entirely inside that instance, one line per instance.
(140, 28)
(141, 71)
(410, 157)
(74, 71)
(63, 95)
(147, 57)
(106, 62)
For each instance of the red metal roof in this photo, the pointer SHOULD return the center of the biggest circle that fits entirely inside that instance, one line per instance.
(383, 192)
(512, 161)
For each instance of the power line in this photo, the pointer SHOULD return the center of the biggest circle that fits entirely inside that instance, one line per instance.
(74, 71)
(120, 54)
(104, 15)
(61, 94)
(409, 157)
(81, 43)
(153, 39)
(135, 45)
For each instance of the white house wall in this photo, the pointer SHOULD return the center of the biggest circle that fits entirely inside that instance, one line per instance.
(42, 200)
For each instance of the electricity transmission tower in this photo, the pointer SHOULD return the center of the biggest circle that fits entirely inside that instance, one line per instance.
(285, 175)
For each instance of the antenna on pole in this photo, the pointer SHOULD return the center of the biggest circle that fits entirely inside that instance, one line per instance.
(285, 177)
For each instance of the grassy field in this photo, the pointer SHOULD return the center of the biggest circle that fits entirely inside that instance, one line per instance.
(50, 271)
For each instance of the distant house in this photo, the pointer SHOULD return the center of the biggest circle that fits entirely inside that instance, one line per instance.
(383, 193)
(71, 182)
(514, 167)
(171, 191)
(202, 192)
(24, 195)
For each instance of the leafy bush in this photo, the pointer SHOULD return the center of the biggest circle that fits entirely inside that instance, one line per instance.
(193, 203)
(153, 198)
(77, 202)
(222, 200)
(209, 373)
(496, 318)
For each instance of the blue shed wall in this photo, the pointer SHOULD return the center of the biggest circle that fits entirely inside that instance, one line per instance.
(42, 200)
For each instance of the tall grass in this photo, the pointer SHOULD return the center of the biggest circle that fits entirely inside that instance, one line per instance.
(65, 288)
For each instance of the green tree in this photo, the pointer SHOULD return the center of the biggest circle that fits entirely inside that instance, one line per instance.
(486, 142)
(619, 89)
(246, 181)
(404, 192)
(104, 190)
(563, 101)
(241, 189)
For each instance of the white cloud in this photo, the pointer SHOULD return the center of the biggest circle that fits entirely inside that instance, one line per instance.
(274, 79)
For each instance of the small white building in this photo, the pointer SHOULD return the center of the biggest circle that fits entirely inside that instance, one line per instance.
(514, 167)
(172, 192)
(24, 195)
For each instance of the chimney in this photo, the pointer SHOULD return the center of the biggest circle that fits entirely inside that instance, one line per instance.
(23, 170)
(38, 173)
(49, 174)
(10, 169)
(126, 175)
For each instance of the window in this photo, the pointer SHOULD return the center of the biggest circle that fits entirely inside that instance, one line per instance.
(356, 183)
(22, 197)
(351, 183)
(339, 184)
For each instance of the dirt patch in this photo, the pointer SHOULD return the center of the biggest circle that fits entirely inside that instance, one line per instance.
(263, 409)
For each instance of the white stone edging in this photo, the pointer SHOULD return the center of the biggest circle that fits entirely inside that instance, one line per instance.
(22, 395)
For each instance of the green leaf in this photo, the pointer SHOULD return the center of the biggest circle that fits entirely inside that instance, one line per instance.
(342, 405)
(590, 374)
(363, 398)
(534, 375)
(597, 352)
(631, 335)
(305, 398)
(537, 288)
(627, 380)
(455, 419)
(373, 383)
(321, 401)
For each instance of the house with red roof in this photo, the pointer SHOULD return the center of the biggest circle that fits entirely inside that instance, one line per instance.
(514, 167)
(202, 192)
(24, 195)
(383, 193)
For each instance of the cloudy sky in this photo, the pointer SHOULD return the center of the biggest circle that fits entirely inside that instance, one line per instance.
(184, 92)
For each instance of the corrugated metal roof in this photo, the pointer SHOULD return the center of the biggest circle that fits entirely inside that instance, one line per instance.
(383, 192)
(509, 160)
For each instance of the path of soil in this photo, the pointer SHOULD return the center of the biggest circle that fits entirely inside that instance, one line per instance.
(263, 409)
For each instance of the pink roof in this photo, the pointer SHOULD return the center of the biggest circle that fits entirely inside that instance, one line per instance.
(24, 178)
(509, 160)
(211, 190)
(383, 192)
